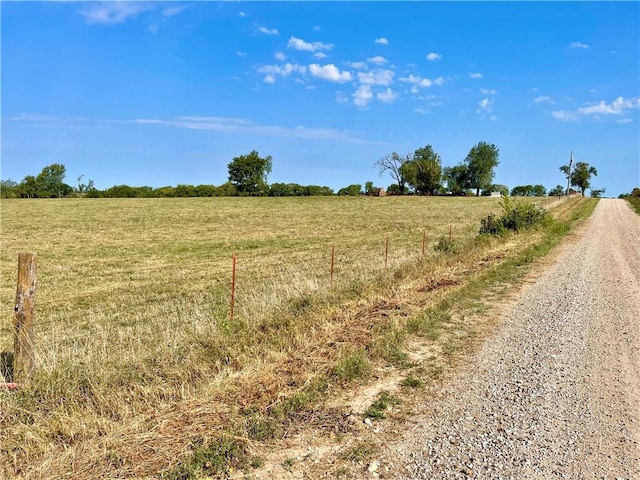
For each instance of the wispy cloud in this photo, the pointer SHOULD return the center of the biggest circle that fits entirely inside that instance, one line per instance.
(388, 96)
(173, 11)
(240, 125)
(382, 41)
(487, 91)
(544, 99)
(433, 56)
(376, 77)
(319, 55)
(112, 13)
(330, 72)
(273, 71)
(267, 31)
(485, 105)
(624, 121)
(359, 65)
(299, 44)
(280, 56)
(578, 45)
(241, 53)
(378, 60)
(475, 75)
(418, 82)
(618, 107)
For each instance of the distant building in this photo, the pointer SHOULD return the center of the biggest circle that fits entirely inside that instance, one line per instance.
(380, 192)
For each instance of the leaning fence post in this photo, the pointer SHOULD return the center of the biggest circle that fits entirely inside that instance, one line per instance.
(23, 354)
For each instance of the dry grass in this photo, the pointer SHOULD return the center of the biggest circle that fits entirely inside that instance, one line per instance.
(138, 363)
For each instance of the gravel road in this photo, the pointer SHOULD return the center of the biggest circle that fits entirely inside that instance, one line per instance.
(555, 393)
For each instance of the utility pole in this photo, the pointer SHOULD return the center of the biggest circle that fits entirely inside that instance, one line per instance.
(569, 173)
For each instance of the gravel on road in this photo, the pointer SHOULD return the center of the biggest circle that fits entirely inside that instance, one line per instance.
(555, 393)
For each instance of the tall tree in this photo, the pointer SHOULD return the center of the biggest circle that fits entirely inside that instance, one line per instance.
(424, 171)
(392, 163)
(581, 176)
(481, 161)
(248, 173)
(51, 181)
(457, 179)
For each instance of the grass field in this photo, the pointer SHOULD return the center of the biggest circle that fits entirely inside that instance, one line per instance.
(133, 306)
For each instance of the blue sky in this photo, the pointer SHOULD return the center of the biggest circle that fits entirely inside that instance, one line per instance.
(167, 93)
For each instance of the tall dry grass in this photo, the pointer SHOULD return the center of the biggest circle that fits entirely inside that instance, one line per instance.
(133, 312)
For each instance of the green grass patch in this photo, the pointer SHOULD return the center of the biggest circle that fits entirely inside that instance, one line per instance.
(634, 203)
(378, 408)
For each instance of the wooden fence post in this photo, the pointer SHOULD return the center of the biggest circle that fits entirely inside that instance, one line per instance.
(233, 285)
(333, 256)
(386, 252)
(23, 354)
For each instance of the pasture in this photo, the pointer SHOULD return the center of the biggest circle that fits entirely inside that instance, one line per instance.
(133, 307)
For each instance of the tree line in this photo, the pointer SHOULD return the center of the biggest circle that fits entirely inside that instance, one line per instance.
(419, 172)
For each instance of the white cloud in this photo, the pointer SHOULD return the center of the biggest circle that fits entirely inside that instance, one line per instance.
(485, 105)
(475, 75)
(378, 60)
(614, 108)
(267, 31)
(280, 56)
(316, 28)
(362, 96)
(618, 107)
(418, 82)
(299, 44)
(242, 14)
(382, 41)
(358, 65)
(486, 91)
(420, 110)
(624, 121)
(153, 28)
(433, 56)
(272, 71)
(376, 77)
(319, 55)
(112, 13)
(388, 96)
(241, 54)
(578, 45)
(329, 72)
(544, 99)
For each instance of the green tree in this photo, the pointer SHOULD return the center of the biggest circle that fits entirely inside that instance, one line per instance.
(581, 176)
(392, 163)
(352, 190)
(50, 181)
(556, 191)
(597, 193)
(457, 179)
(480, 162)
(369, 189)
(8, 189)
(248, 173)
(424, 171)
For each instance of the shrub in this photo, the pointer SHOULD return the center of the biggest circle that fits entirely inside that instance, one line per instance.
(516, 216)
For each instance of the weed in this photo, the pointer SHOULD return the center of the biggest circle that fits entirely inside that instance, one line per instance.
(353, 364)
(411, 382)
(377, 408)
